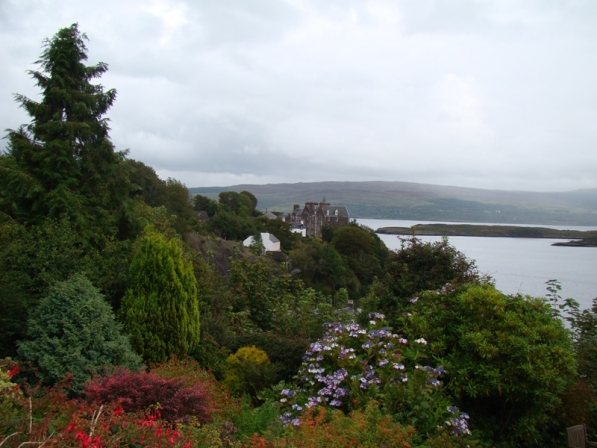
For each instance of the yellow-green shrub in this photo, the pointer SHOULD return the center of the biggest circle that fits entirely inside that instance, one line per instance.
(249, 371)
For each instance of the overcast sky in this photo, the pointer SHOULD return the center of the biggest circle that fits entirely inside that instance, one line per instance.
(476, 93)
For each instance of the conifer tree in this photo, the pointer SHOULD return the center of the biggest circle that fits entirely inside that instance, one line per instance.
(73, 330)
(160, 308)
(63, 163)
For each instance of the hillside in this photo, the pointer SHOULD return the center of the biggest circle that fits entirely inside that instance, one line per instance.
(425, 202)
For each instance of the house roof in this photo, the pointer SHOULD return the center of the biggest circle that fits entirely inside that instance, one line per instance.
(342, 211)
(269, 237)
(264, 237)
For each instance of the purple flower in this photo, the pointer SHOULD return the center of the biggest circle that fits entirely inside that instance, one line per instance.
(335, 403)
(340, 392)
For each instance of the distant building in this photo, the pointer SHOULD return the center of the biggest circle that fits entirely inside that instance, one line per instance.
(269, 241)
(202, 216)
(314, 215)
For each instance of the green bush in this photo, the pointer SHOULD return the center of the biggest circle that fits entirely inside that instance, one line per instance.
(73, 330)
(508, 359)
(248, 371)
(351, 366)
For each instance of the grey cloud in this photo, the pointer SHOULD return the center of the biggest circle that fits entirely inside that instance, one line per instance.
(475, 93)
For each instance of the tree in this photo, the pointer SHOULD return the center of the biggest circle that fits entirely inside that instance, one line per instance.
(63, 163)
(508, 359)
(416, 267)
(73, 330)
(160, 308)
(34, 258)
(205, 204)
(363, 249)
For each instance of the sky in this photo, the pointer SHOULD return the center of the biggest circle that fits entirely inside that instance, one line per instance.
(497, 94)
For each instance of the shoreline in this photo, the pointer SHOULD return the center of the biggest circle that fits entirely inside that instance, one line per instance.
(577, 238)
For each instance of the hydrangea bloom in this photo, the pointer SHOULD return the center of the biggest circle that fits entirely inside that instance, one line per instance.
(350, 365)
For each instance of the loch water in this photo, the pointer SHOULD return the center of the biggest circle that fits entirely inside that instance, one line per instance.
(520, 265)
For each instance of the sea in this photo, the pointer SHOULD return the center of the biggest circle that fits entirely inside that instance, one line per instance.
(519, 265)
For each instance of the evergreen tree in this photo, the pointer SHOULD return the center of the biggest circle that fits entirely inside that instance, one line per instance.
(63, 163)
(160, 308)
(73, 330)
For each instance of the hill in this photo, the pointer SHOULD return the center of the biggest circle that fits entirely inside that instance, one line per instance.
(426, 202)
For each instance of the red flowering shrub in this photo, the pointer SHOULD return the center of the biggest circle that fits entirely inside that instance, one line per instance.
(137, 391)
(111, 427)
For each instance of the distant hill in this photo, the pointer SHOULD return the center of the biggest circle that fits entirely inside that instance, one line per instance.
(425, 202)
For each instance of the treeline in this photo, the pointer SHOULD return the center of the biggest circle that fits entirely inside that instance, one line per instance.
(126, 320)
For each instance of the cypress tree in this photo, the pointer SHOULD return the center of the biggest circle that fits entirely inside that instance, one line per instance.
(63, 163)
(160, 308)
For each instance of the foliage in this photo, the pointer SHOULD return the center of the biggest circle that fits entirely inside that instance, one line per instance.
(352, 366)
(228, 225)
(203, 203)
(63, 163)
(68, 423)
(31, 260)
(257, 287)
(223, 406)
(584, 327)
(321, 266)
(73, 331)
(160, 309)
(10, 394)
(280, 229)
(137, 391)
(248, 371)
(178, 203)
(369, 427)
(264, 419)
(239, 203)
(364, 251)
(416, 267)
(509, 360)
(285, 352)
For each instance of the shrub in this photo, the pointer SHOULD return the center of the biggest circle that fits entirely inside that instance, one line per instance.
(351, 366)
(509, 359)
(418, 266)
(137, 391)
(224, 406)
(73, 331)
(249, 371)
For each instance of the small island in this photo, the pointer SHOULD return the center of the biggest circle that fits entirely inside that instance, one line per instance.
(578, 238)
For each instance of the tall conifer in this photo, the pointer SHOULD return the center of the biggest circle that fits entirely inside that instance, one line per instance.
(63, 162)
(160, 308)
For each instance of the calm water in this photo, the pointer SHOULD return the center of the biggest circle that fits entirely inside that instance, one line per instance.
(521, 265)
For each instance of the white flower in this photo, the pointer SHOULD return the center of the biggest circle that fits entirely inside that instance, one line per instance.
(421, 341)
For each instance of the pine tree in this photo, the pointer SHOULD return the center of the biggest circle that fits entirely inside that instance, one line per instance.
(63, 163)
(160, 308)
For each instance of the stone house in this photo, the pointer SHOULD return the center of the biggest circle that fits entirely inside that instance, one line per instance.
(315, 215)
